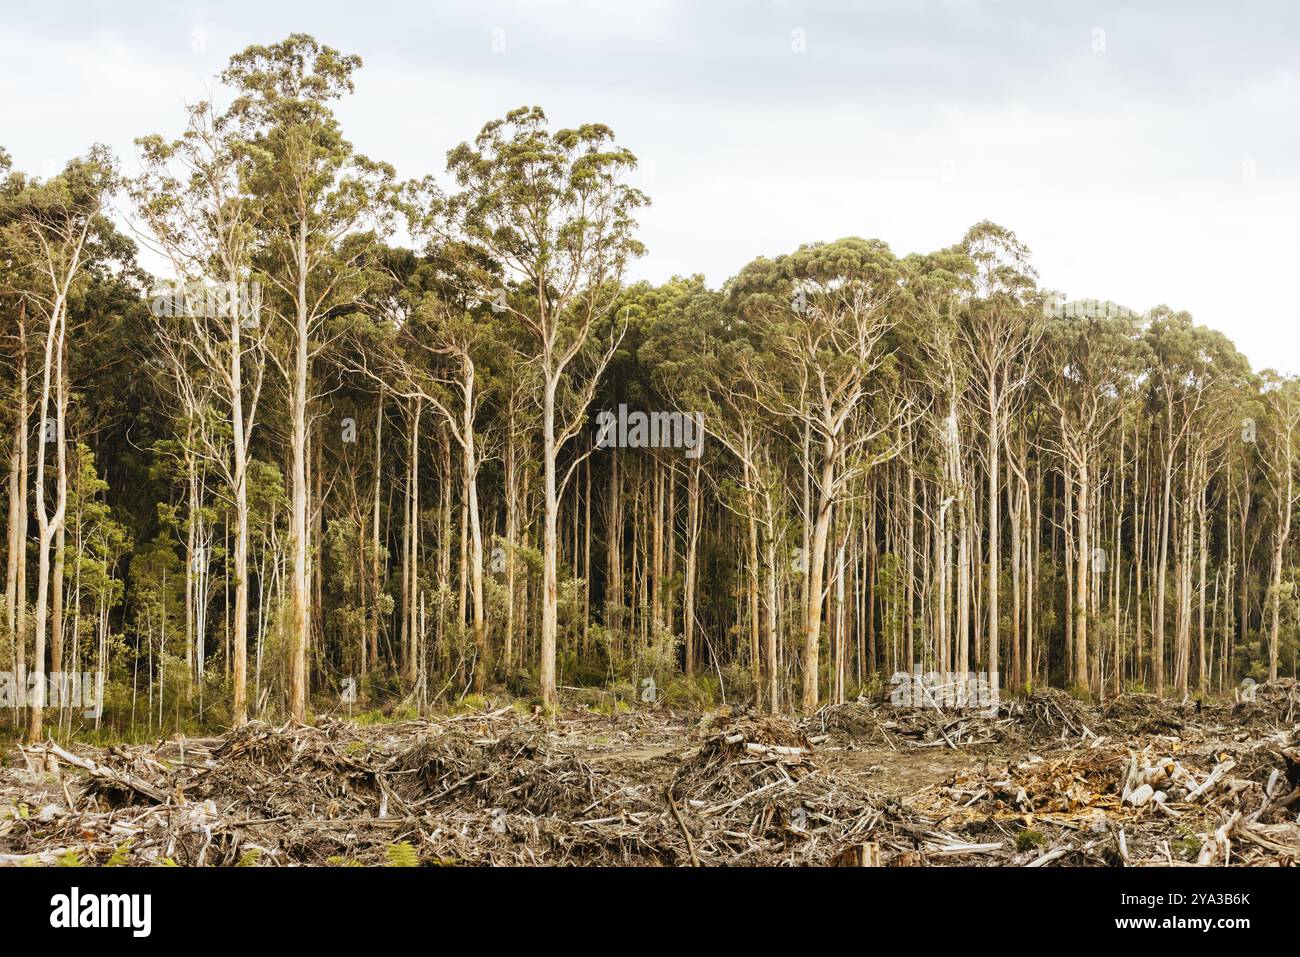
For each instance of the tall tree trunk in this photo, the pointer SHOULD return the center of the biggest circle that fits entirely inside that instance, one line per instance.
(1158, 595)
(816, 575)
(52, 388)
(692, 543)
(773, 665)
(994, 537)
(413, 659)
(512, 533)
(476, 534)
(550, 543)
(299, 587)
(1081, 580)
(239, 652)
(16, 572)
(372, 659)
(56, 599)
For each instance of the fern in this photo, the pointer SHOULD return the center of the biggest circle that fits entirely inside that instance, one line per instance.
(402, 854)
(118, 857)
(69, 858)
(250, 858)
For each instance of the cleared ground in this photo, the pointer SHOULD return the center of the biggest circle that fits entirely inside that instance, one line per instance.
(1047, 781)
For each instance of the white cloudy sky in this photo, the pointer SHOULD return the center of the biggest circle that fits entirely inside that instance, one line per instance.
(1145, 156)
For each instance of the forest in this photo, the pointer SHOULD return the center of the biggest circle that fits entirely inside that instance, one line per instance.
(295, 441)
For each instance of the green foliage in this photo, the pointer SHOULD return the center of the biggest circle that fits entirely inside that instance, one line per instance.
(697, 695)
(516, 279)
(98, 541)
(402, 854)
(375, 716)
(250, 858)
(1028, 839)
(611, 705)
(875, 688)
(472, 704)
(158, 589)
(1188, 845)
(120, 856)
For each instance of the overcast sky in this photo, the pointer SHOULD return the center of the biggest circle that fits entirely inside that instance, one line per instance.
(1144, 156)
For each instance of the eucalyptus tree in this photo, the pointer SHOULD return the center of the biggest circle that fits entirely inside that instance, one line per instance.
(1000, 328)
(59, 228)
(681, 333)
(1281, 396)
(16, 279)
(554, 215)
(1211, 375)
(193, 204)
(936, 283)
(740, 423)
(1186, 365)
(823, 312)
(1087, 361)
(99, 542)
(316, 208)
(438, 355)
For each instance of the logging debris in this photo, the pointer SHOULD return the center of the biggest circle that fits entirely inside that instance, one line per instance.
(1045, 780)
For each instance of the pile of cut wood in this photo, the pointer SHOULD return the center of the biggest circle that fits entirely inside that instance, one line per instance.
(500, 787)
